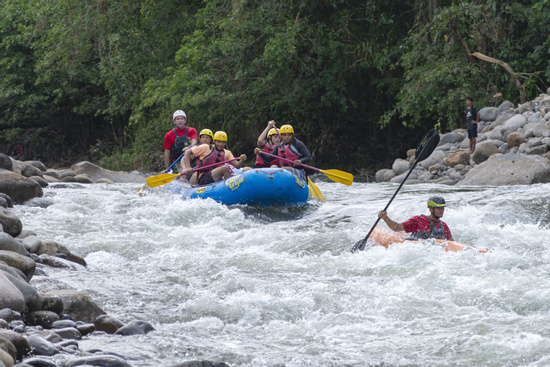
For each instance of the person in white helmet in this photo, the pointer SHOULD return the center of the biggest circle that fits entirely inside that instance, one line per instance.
(179, 139)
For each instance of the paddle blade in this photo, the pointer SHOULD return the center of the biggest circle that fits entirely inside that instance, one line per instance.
(315, 192)
(427, 145)
(161, 179)
(338, 176)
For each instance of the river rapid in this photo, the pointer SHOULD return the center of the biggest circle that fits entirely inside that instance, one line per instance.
(279, 287)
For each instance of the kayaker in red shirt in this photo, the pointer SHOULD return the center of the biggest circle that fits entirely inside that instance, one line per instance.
(422, 226)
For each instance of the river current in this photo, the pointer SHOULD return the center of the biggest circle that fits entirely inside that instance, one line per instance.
(279, 287)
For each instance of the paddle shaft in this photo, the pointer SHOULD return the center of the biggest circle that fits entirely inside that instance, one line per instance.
(176, 161)
(290, 161)
(214, 164)
(364, 241)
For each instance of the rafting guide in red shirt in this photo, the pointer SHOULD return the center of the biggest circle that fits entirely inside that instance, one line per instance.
(422, 226)
(179, 139)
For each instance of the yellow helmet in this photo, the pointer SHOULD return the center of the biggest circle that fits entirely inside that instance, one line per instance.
(286, 129)
(206, 132)
(271, 132)
(220, 135)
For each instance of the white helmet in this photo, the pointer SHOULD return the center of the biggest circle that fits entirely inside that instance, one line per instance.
(179, 113)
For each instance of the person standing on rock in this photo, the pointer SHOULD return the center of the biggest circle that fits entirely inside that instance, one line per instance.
(472, 117)
(422, 226)
(179, 139)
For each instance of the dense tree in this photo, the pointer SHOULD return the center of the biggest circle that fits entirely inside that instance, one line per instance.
(360, 80)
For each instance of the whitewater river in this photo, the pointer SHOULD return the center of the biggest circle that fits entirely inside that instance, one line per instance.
(279, 287)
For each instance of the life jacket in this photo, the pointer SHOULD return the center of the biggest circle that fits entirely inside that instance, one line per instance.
(181, 142)
(288, 151)
(438, 233)
(213, 157)
(266, 149)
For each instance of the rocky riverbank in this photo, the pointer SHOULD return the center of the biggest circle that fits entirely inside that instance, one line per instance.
(41, 320)
(513, 147)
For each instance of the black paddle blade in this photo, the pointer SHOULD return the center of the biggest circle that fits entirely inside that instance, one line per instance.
(427, 145)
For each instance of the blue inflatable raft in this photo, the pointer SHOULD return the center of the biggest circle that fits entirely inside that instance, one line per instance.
(259, 186)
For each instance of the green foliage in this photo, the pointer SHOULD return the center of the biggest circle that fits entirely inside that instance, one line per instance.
(76, 72)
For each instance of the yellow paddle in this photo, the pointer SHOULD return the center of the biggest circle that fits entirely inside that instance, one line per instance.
(164, 178)
(334, 174)
(315, 192)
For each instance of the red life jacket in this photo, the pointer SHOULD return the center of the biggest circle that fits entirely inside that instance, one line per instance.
(288, 151)
(259, 161)
(215, 156)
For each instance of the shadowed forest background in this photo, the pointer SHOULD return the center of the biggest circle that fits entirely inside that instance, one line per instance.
(360, 81)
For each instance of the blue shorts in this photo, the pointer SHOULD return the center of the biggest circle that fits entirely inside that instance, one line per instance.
(472, 133)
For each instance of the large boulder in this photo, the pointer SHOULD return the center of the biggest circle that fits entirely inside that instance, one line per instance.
(18, 261)
(451, 138)
(461, 157)
(78, 305)
(509, 169)
(488, 113)
(5, 162)
(19, 188)
(10, 222)
(94, 172)
(10, 296)
(483, 152)
(8, 243)
(514, 140)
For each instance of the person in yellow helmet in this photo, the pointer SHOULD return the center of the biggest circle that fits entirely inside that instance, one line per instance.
(267, 145)
(208, 155)
(206, 136)
(289, 148)
(422, 226)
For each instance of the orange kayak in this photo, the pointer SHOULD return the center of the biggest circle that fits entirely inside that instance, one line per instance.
(387, 237)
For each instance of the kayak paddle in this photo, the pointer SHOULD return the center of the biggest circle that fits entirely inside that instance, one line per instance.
(168, 169)
(334, 174)
(315, 191)
(164, 178)
(424, 149)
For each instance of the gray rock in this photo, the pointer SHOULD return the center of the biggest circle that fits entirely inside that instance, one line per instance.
(450, 138)
(37, 362)
(483, 152)
(108, 324)
(10, 296)
(52, 303)
(135, 327)
(101, 360)
(11, 223)
(85, 328)
(18, 261)
(436, 157)
(399, 166)
(32, 243)
(62, 324)
(5, 162)
(201, 364)
(488, 113)
(506, 105)
(37, 164)
(9, 315)
(82, 179)
(5, 359)
(7, 198)
(78, 305)
(7, 242)
(509, 169)
(40, 346)
(29, 170)
(21, 345)
(32, 301)
(18, 187)
(537, 150)
(7, 346)
(41, 318)
(95, 172)
(40, 180)
(69, 333)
